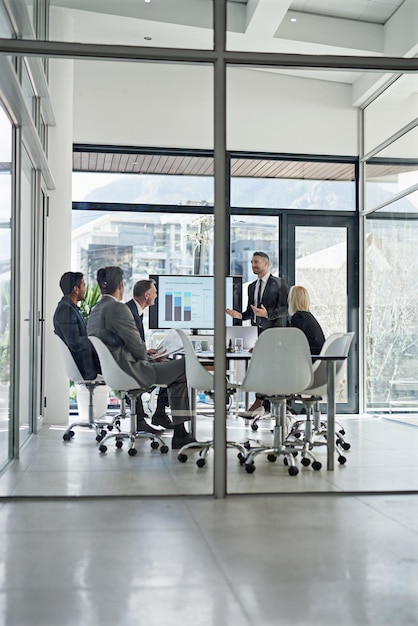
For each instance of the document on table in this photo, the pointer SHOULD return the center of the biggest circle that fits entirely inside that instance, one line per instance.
(169, 345)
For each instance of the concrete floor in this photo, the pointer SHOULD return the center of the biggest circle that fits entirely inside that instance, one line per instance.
(283, 550)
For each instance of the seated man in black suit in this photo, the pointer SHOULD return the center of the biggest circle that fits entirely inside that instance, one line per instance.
(144, 295)
(71, 326)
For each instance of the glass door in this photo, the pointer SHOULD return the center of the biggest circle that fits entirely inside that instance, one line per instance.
(25, 296)
(5, 284)
(39, 315)
(32, 222)
(321, 255)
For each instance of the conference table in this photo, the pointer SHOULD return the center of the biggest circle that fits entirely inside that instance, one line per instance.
(207, 358)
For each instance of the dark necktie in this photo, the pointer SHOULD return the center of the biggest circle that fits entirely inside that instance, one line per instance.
(259, 294)
(141, 329)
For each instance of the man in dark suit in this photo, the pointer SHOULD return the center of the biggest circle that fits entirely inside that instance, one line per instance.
(267, 307)
(71, 326)
(144, 295)
(113, 323)
(267, 297)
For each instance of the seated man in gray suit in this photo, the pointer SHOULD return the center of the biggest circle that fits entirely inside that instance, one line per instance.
(113, 323)
(144, 295)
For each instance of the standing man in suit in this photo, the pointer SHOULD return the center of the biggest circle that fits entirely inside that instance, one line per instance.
(71, 326)
(113, 323)
(267, 297)
(144, 295)
(267, 307)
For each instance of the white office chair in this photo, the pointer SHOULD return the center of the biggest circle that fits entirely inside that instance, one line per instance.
(201, 379)
(117, 379)
(280, 366)
(74, 374)
(313, 430)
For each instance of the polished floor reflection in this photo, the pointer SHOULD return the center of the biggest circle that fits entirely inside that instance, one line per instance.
(248, 560)
(383, 457)
(312, 554)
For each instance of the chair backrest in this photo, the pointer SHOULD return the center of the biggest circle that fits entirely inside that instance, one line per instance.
(113, 374)
(337, 344)
(71, 368)
(281, 363)
(197, 376)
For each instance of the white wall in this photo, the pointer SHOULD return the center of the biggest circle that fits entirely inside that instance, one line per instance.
(58, 229)
(279, 113)
(149, 104)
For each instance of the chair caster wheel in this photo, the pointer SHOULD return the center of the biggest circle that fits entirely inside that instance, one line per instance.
(68, 436)
(316, 465)
(293, 470)
(201, 462)
(250, 468)
(132, 451)
(346, 446)
(341, 459)
(272, 458)
(164, 449)
(99, 438)
(182, 458)
(342, 431)
(241, 458)
(155, 445)
(296, 435)
(247, 445)
(306, 462)
(254, 427)
(119, 444)
(110, 427)
(103, 433)
(102, 448)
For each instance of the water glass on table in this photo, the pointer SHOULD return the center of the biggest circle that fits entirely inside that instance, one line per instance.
(239, 344)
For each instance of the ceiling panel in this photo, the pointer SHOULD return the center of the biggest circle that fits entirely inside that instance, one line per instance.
(190, 165)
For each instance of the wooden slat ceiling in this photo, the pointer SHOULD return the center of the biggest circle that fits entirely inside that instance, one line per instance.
(203, 166)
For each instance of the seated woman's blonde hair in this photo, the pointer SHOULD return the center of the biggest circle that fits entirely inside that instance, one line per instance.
(299, 299)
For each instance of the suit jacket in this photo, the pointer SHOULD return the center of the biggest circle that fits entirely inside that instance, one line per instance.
(274, 299)
(138, 320)
(71, 327)
(163, 393)
(308, 324)
(113, 323)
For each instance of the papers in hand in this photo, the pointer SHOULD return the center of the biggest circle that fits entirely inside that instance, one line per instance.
(169, 345)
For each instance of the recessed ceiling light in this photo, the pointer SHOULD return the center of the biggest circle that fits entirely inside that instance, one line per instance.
(147, 0)
(292, 19)
(148, 38)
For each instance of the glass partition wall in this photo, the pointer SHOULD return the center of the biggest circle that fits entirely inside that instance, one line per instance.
(273, 114)
(391, 239)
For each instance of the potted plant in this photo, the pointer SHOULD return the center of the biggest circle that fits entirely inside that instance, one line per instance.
(101, 393)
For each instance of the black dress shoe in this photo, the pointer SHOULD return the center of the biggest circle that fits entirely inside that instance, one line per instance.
(179, 442)
(143, 426)
(161, 419)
